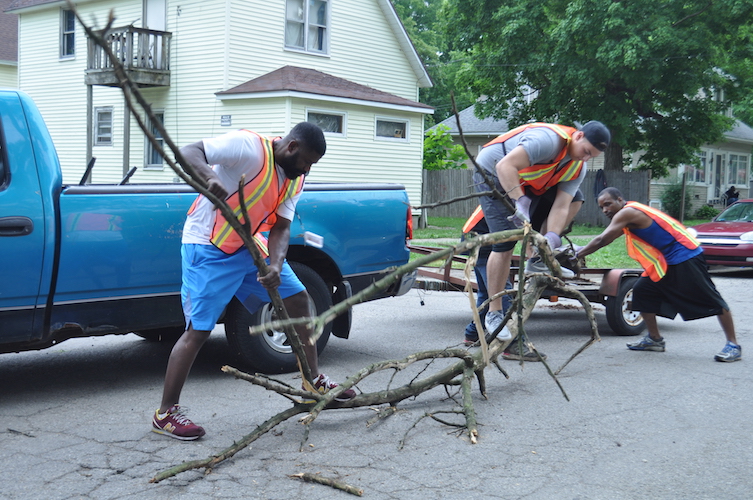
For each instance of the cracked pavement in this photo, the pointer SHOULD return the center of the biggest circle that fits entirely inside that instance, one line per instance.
(75, 419)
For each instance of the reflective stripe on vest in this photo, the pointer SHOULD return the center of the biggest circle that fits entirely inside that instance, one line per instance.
(262, 196)
(474, 219)
(648, 256)
(542, 176)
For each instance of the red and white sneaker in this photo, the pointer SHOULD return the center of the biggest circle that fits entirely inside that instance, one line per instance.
(323, 385)
(175, 424)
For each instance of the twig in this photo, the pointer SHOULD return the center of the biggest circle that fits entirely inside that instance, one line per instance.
(328, 481)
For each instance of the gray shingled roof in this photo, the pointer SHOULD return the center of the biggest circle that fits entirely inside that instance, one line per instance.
(8, 34)
(740, 132)
(473, 125)
(311, 81)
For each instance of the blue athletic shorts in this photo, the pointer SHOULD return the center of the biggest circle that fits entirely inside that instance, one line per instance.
(211, 278)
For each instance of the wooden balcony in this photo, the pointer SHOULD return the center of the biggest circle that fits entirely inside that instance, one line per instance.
(144, 53)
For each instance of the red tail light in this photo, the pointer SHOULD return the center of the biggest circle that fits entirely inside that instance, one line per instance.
(409, 226)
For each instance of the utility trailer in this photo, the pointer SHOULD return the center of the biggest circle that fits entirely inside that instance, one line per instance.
(612, 288)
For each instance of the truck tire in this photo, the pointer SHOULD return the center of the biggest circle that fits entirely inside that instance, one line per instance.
(621, 319)
(268, 352)
(168, 334)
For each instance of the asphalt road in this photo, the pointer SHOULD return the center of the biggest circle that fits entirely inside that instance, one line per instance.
(75, 419)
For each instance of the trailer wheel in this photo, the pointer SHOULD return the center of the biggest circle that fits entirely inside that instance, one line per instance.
(620, 317)
(269, 352)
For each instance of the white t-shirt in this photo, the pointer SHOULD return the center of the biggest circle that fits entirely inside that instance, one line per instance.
(542, 146)
(231, 156)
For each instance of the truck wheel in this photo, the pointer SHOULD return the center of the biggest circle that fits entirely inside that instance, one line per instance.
(269, 352)
(168, 334)
(621, 319)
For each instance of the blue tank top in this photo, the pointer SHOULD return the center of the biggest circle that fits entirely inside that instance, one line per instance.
(673, 252)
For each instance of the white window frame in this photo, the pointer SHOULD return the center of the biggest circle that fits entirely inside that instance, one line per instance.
(378, 137)
(342, 114)
(737, 157)
(103, 139)
(149, 149)
(67, 51)
(302, 17)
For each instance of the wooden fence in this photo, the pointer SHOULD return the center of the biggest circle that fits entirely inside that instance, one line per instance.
(440, 185)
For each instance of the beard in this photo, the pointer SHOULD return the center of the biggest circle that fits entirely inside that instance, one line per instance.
(289, 166)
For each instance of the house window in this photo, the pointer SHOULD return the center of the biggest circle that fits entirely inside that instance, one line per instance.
(393, 129)
(153, 157)
(697, 173)
(330, 123)
(67, 34)
(306, 25)
(737, 171)
(103, 126)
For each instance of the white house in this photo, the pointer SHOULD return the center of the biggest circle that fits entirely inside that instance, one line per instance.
(213, 66)
(8, 47)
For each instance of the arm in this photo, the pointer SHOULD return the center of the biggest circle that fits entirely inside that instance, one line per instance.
(508, 168)
(622, 219)
(558, 215)
(279, 239)
(196, 157)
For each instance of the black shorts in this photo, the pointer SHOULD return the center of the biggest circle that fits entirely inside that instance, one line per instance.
(686, 289)
(496, 213)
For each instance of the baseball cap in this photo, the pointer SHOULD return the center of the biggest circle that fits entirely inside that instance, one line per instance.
(597, 134)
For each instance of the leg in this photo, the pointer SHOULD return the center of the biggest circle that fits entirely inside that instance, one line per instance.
(725, 319)
(497, 273)
(179, 365)
(651, 325)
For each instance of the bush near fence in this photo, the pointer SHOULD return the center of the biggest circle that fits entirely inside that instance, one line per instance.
(440, 185)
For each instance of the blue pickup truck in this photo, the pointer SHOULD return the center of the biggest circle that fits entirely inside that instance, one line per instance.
(85, 260)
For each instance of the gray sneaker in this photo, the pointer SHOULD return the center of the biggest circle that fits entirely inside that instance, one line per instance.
(536, 265)
(520, 350)
(493, 321)
(647, 344)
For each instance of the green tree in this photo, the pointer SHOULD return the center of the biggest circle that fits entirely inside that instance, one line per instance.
(649, 70)
(440, 152)
(425, 29)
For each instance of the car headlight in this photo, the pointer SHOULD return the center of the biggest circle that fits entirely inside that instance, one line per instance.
(693, 232)
(747, 236)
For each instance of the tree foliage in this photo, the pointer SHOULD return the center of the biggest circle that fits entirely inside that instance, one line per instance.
(440, 152)
(422, 22)
(649, 70)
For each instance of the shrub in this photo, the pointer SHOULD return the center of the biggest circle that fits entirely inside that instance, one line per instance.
(706, 212)
(440, 152)
(671, 198)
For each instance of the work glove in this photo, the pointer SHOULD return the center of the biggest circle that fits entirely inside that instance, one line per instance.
(522, 207)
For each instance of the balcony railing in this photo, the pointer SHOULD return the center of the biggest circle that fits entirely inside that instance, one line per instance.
(144, 53)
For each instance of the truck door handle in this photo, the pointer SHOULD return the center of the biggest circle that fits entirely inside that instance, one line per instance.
(16, 226)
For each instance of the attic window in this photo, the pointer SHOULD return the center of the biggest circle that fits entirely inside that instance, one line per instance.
(306, 25)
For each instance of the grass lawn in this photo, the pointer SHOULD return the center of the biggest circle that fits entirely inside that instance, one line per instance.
(613, 256)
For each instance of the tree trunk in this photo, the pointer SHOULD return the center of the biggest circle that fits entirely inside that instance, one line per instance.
(613, 158)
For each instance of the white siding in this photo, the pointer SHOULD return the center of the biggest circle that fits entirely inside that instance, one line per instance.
(363, 48)
(8, 76)
(217, 44)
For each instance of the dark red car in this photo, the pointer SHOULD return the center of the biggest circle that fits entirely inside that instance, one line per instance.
(728, 239)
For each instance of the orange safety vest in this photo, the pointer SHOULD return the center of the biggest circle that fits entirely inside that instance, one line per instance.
(542, 176)
(648, 256)
(474, 219)
(263, 195)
